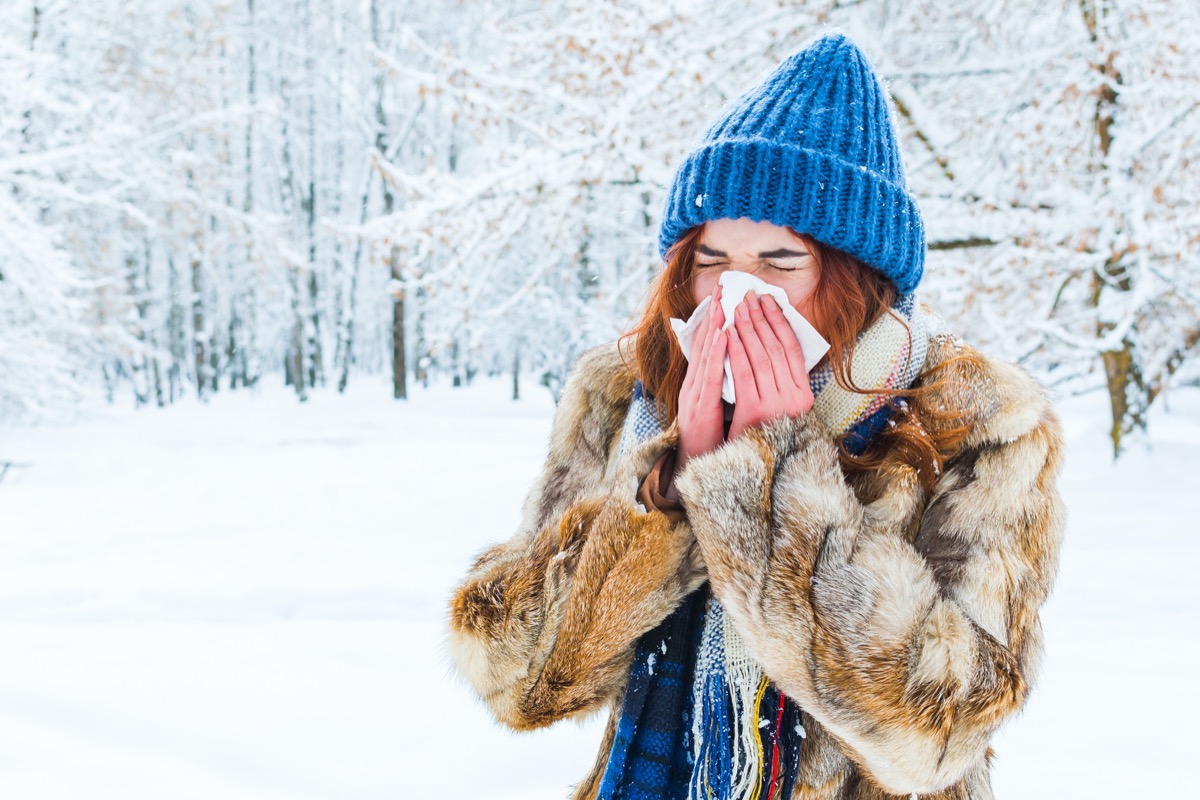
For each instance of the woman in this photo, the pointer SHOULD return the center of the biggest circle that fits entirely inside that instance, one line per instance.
(828, 589)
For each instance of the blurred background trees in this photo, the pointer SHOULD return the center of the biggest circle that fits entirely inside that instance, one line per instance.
(202, 195)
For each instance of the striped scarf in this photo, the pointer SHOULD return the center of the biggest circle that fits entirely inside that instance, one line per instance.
(700, 720)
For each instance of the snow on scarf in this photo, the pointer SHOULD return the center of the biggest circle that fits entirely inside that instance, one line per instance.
(700, 720)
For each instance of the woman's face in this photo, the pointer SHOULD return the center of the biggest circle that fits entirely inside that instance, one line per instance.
(770, 252)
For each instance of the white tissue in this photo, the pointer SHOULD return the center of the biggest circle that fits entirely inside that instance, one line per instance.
(734, 286)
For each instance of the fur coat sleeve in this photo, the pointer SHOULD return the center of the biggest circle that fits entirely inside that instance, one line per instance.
(544, 625)
(906, 625)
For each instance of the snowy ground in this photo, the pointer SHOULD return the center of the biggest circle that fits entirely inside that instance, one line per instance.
(244, 599)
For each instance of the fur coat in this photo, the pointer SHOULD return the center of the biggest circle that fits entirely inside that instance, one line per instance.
(905, 625)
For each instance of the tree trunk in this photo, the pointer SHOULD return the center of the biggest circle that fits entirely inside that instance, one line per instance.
(313, 326)
(199, 345)
(346, 331)
(296, 365)
(516, 373)
(158, 389)
(27, 116)
(242, 316)
(295, 371)
(176, 335)
(1126, 392)
(156, 379)
(399, 368)
(338, 266)
(139, 364)
(399, 374)
(1122, 370)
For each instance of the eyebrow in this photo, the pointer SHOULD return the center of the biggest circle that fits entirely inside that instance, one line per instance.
(781, 253)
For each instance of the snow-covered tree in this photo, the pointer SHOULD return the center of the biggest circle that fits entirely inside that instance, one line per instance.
(203, 194)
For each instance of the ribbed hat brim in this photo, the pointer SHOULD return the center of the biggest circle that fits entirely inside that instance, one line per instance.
(842, 205)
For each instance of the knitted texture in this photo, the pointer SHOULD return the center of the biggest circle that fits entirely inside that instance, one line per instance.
(700, 720)
(813, 148)
(641, 423)
(882, 359)
(728, 688)
(651, 756)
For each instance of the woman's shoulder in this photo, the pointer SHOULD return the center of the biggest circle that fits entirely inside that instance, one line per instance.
(605, 374)
(605, 365)
(599, 390)
(999, 401)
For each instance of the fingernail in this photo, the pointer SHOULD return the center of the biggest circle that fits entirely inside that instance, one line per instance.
(752, 298)
(743, 313)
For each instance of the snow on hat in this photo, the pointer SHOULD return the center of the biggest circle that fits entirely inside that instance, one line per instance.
(813, 148)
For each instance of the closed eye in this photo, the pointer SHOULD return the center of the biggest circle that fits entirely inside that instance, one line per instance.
(791, 266)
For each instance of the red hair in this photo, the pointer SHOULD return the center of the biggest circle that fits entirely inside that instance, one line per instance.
(849, 296)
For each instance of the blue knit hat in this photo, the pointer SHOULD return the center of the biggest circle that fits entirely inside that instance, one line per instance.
(812, 148)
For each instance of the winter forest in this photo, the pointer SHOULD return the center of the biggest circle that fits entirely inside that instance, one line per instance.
(289, 290)
(205, 195)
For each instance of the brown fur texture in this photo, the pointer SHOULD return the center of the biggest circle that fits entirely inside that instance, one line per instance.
(544, 625)
(905, 626)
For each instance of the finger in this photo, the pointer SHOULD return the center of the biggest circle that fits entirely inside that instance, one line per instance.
(743, 373)
(718, 312)
(793, 352)
(781, 373)
(689, 377)
(705, 352)
(798, 396)
(714, 317)
(760, 361)
(700, 340)
(714, 371)
(703, 329)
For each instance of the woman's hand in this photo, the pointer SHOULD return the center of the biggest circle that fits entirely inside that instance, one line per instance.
(701, 414)
(768, 366)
